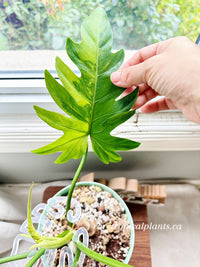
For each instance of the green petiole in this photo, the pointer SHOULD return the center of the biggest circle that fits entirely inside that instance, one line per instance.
(76, 176)
(14, 257)
(76, 257)
(35, 257)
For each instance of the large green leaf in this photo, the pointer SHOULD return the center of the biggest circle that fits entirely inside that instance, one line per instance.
(90, 100)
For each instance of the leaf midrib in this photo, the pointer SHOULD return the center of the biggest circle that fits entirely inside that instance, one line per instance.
(94, 96)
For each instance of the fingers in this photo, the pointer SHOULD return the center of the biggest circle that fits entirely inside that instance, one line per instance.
(130, 76)
(142, 88)
(145, 97)
(146, 53)
(161, 104)
(146, 93)
(134, 70)
(141, 55)
(128, 91)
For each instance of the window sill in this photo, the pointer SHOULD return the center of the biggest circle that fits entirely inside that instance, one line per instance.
(21, 130)
(164, 131)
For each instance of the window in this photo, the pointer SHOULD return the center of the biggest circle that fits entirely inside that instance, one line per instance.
(45, 25)
(33, 32)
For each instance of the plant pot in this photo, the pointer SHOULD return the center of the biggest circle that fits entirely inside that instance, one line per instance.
(58, 211)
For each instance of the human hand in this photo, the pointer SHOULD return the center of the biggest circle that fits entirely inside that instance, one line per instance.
(170, 68)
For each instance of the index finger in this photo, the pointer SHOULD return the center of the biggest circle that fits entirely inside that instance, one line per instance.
(145, 53)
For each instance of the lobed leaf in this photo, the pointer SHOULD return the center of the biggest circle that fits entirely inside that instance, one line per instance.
(90, 100)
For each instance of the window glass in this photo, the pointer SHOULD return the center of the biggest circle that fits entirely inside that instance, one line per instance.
(45, 24)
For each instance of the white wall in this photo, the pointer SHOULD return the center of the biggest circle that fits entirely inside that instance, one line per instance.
(27, 167)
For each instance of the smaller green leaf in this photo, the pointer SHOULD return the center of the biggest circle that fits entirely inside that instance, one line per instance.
(46, 242)
(99, 257)
(57, 242)
(48, 237)
(31, 229)
(64, 233)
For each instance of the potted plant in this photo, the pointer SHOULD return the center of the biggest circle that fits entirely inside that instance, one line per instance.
(101, 212)
(93, 109)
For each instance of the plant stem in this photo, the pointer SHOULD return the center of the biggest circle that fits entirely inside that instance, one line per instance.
(76, 258)
(99, 257)
(14, 257)
(35, 257)
(74, 183)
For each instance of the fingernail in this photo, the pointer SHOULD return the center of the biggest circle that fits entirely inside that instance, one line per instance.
(115, 76)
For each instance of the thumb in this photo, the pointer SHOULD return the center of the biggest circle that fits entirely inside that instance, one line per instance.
(130, 76)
